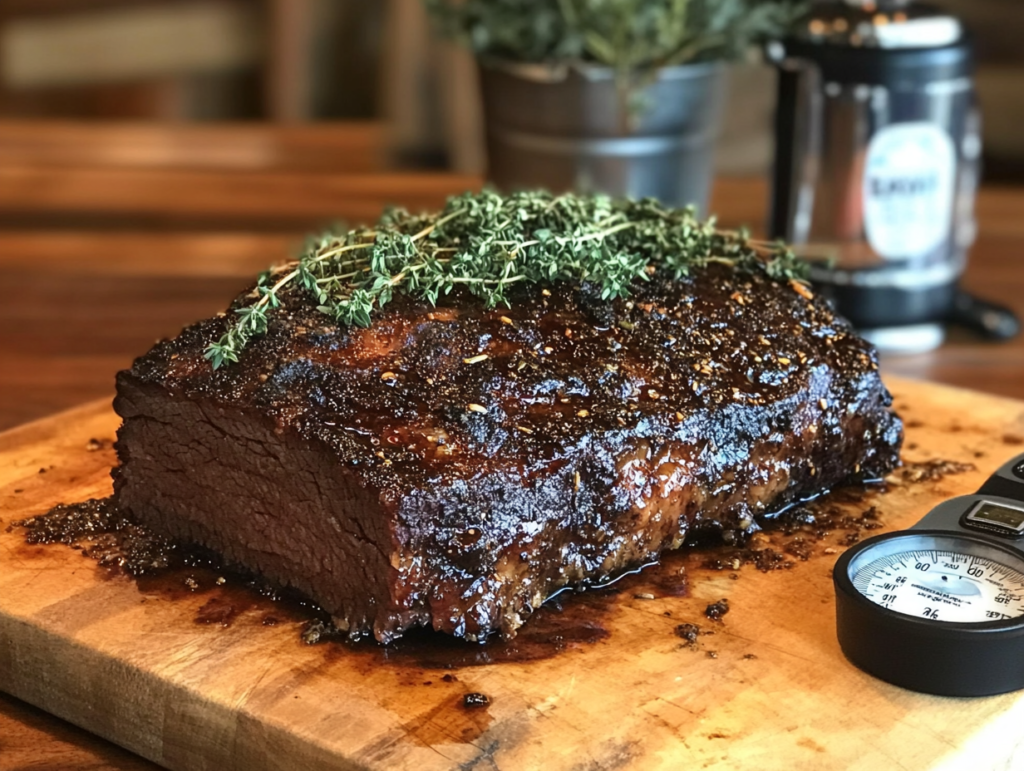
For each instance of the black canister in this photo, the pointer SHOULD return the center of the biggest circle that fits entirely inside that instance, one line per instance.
(876, 167)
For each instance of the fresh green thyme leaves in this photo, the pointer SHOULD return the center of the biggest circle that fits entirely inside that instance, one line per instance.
(624, 34)
(488, 243)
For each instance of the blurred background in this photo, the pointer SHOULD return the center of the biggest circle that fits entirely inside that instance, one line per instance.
(301, 61)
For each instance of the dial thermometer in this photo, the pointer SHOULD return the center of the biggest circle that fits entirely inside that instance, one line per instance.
(939, 608)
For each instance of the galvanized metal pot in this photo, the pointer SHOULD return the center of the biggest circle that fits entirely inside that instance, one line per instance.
(574, 127)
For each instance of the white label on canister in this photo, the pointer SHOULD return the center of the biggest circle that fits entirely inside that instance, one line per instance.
(908, 190)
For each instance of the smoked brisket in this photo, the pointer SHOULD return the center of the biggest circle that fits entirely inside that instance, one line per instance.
(454, 466)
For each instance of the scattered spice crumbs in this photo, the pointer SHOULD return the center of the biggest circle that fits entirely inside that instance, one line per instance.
(689, 633)
(475, 700)
(928, 471)
(716, 610)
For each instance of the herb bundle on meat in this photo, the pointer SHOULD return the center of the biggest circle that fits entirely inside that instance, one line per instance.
(488, 243)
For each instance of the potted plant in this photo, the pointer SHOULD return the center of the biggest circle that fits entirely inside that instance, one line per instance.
(620, 96)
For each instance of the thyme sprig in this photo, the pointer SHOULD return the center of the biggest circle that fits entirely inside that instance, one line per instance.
(488, 243)
(624, 34)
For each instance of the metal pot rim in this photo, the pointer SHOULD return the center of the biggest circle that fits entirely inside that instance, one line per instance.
(559, 71)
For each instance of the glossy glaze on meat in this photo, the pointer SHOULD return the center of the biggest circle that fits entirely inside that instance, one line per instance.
(454, 466)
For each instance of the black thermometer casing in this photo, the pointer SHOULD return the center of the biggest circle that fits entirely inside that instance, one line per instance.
(938, 657)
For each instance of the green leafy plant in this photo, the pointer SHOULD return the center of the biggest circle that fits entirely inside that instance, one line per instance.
(488, 243)
(624, 34)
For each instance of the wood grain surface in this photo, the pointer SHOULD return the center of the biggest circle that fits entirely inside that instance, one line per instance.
(132, 665)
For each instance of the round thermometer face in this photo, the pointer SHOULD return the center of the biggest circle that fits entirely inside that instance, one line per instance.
(942, 581)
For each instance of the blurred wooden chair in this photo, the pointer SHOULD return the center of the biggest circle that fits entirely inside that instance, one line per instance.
(141, 59)
(280, 60)
(287, 174)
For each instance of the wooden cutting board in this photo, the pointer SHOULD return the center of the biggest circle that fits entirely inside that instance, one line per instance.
(768, 690)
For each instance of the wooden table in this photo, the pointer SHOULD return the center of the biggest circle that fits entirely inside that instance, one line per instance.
(78, 305)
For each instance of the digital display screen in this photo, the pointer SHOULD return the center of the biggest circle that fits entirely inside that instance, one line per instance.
(999, 515)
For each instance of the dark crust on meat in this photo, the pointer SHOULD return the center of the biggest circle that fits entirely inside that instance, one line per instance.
(593, 436)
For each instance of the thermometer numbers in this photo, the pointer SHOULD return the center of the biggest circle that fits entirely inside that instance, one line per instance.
(943, 586)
